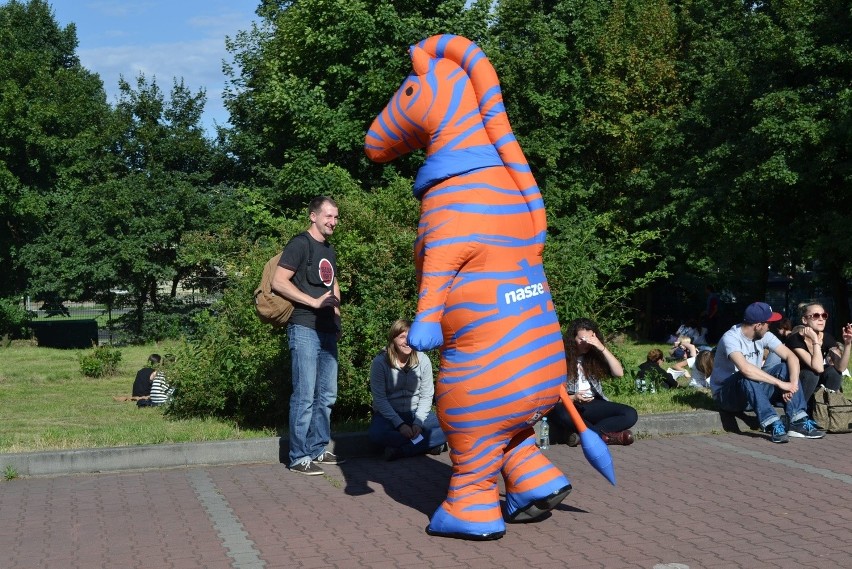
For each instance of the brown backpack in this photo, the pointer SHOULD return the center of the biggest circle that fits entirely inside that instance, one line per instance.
(271, 307)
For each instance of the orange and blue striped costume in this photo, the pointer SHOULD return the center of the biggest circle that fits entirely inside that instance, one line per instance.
(483, 295)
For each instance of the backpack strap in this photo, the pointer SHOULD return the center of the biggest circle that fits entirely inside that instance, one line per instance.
(310, 248)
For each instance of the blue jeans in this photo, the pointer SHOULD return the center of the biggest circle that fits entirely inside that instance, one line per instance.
(314, 367)
(739, 393)
(381, 432)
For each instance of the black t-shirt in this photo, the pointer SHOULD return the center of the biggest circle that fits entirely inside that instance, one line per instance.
(314, 266)
(798, 341)
(142, 383)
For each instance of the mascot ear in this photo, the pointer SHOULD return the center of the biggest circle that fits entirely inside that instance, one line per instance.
(420, 60)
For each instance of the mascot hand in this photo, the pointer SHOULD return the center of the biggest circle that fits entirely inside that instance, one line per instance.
(425, 336)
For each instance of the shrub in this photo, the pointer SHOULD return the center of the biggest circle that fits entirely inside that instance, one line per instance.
(171, 320)
(101, 361)
(234, 367)
(237, 368)
(621, 387)
(589, 262)
(14, 320)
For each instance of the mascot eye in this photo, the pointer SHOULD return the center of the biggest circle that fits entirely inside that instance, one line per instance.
(409, 91)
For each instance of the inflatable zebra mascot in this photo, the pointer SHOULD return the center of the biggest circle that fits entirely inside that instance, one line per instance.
(483, 296)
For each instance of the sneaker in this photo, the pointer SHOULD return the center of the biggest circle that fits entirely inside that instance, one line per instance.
(308, 468)
(573, 439)
(329, 458)
(778, 434)
(435, 451)
(806, 428)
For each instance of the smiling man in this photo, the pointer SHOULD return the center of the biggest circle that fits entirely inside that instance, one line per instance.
(738, 382)
(307, 276)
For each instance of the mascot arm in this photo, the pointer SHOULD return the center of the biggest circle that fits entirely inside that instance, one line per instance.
(438, 261)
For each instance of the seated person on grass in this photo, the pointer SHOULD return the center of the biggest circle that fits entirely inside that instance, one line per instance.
(701, 369)
(142, 383)
(161, 391)
(684, 353)
(652, 373)
(145, 377)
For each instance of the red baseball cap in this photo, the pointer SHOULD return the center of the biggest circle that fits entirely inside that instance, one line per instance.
(760, 312)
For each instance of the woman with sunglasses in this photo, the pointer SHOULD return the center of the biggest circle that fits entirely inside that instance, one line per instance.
(812, 345)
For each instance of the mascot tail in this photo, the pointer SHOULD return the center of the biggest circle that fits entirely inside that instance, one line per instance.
(596, 451)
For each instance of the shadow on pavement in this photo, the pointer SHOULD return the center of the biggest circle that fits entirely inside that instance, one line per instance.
(419, 482)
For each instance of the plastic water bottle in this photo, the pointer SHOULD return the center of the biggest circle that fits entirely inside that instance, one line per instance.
(544, 434)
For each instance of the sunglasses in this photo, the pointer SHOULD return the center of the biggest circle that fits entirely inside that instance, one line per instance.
(818, 315)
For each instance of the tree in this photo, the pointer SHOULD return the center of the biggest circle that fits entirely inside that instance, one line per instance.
(309, 79)
(52, 114)
(592, 92)
(766, 140)
(126, 230)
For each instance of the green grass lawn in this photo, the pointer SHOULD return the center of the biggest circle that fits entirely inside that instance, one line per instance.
(47, 404)
(667, 400)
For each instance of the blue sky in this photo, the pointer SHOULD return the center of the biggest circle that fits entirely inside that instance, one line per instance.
(163, 39)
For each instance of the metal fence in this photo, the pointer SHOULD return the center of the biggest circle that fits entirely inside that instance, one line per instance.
(82, 324)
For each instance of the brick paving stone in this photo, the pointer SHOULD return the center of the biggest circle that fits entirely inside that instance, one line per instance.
(702, 501)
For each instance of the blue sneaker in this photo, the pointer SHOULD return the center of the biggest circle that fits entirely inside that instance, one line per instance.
(778, 434)
(806, 429)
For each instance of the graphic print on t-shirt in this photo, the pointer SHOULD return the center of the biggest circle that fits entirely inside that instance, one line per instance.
(326, 272)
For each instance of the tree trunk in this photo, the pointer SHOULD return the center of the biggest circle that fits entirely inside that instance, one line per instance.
(140, 307)
(155, 301)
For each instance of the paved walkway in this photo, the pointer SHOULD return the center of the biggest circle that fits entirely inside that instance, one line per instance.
(690, 501)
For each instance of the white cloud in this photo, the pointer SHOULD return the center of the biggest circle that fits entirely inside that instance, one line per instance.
(163, 40)
(198, 62)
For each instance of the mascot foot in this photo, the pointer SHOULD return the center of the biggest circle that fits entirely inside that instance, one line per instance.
(537, 508)
(467, 536)
(444, 524)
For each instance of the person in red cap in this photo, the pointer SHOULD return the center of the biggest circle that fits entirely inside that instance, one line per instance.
(739, 383)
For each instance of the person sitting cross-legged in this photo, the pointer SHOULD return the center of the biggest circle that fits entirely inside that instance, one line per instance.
(402, 386)
(738, 382)
(589, 363)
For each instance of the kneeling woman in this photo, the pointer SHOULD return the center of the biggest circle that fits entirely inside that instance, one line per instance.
(589, 362)
(402, 387)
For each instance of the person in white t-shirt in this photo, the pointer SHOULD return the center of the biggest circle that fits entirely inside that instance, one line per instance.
(685, 352)
(700, 370)
(739, 383)
(590, 362)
